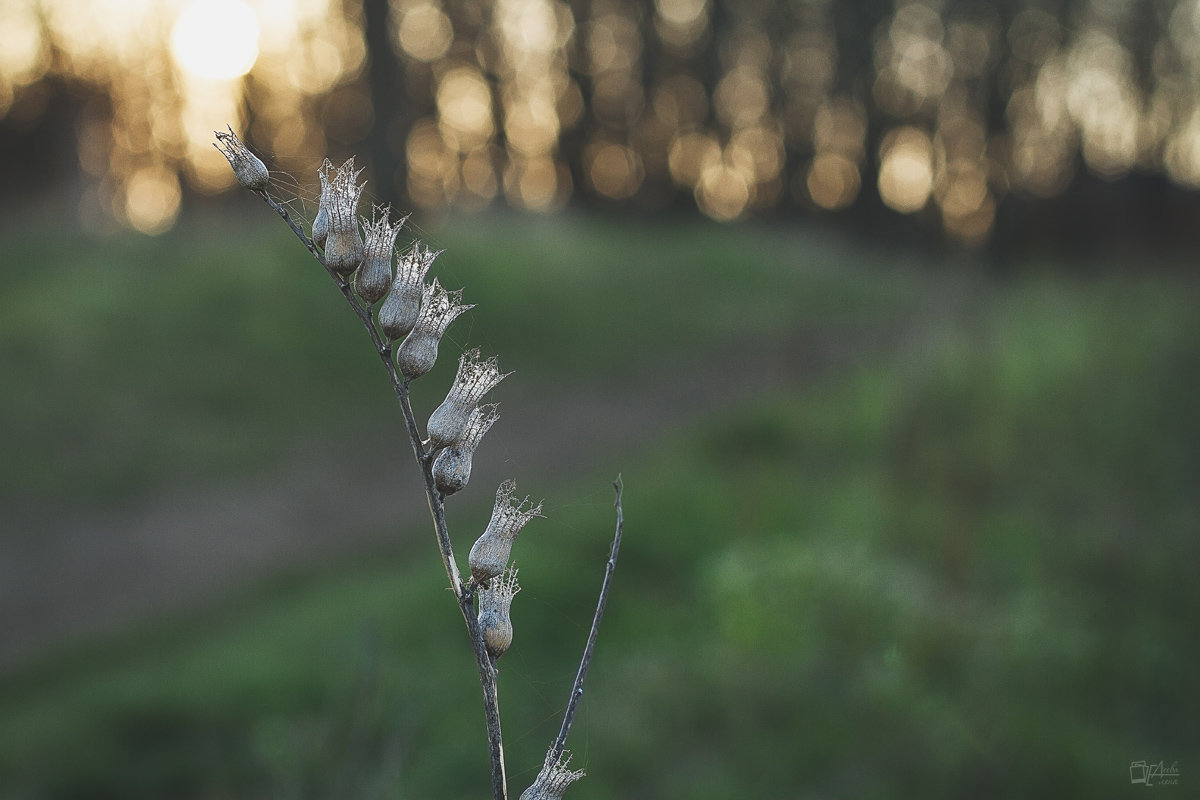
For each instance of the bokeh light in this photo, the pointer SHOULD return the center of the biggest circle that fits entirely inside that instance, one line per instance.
(152, 199)
(215, 39)
(423, 30)
(614, 169)
(464, 102)
(23, 52)
(906, 169)
(832, 181)
(738, 106)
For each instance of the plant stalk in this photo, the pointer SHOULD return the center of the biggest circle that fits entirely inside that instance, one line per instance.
(585, 662)
(464, 594)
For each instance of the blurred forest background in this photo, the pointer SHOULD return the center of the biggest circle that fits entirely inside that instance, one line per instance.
(885, 310)
(1014, 124)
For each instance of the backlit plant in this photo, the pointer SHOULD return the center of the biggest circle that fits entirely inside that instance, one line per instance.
(406, 318)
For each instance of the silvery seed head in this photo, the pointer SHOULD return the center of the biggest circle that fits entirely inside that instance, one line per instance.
(475, 379)
(553, 780)
(491, 551)
(343, 247)
(402, 306)
(495, 621)
(452, 467)
(439, 308)
(320, 224)
(248, 168)
(375, 275)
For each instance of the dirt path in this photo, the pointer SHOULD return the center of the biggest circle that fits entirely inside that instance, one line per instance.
(85, 577)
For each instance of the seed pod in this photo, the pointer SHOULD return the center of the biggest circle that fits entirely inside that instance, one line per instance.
(320, 224)
(553, 780)
(495, 622)
(375, 275)
(248, 168)
(475, 379)
(418, 353)
(490, 553)
(402, 306)
(452, 468)
(343, 247)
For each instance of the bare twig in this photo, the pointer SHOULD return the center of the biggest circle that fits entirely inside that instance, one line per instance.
(283, 212)
(491, 698)
(463, 593)
(577, 688)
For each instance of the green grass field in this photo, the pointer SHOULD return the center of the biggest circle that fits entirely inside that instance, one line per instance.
(208, 352)
(960, 567)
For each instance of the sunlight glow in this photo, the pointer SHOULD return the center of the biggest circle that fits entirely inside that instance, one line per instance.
(906, 170)
(23, 52)
(681, 23)
(216, 39)
(464, 101)
(524, 99)
(424, 30)
(152, 198)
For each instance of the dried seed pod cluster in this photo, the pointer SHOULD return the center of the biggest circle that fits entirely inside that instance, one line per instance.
(411, 310)
(250, 171)
(490, 553)
(417, 314)
(418, 352)
(553, 779)
(452, 467)
(495, 622)
(398, 306)
(374, 276)
(320, 224)
(343, 245)
(402, 306)
(475, 378)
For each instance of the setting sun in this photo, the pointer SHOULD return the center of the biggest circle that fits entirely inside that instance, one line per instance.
(216, 39)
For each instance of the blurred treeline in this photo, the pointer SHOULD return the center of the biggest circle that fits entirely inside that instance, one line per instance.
(1019, 125)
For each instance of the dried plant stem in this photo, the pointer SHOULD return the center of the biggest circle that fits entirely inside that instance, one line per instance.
(464, 593)
(586, 661)
(283, 212)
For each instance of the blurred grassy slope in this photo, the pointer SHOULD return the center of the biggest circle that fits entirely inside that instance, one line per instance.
(967, 571)
(138, 362)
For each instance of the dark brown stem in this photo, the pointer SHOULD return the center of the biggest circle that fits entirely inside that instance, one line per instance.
(463, 593)
(577, 688)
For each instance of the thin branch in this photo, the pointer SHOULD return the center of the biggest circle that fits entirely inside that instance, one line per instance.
(466, 605)
(577, 689)
(491, 697)
(362, 312)
(283, 212)
(463, 593)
